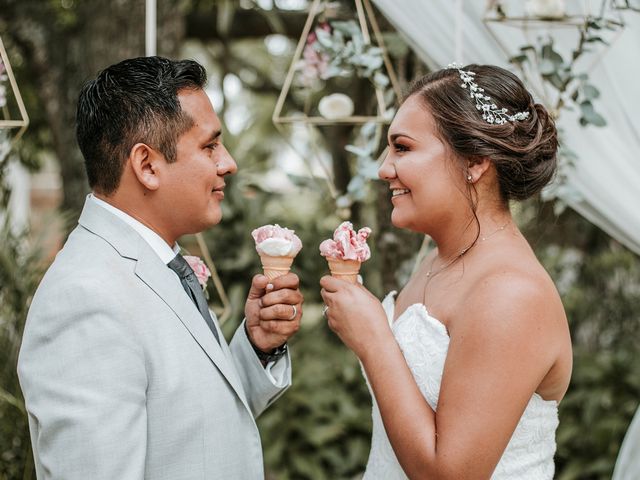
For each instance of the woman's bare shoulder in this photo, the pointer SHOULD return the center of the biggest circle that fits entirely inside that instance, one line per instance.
(511, 289)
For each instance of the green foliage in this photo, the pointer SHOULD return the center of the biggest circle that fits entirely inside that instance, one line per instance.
(560, 74)
(20, 272)
(320, 429)
(349, 54)
(600, 289)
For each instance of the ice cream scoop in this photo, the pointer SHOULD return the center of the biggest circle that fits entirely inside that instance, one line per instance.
(346, 251)
(277, 247)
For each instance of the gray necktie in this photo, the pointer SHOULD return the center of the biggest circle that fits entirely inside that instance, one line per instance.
(193, 288)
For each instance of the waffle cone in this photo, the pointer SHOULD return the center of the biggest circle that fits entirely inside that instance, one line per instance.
(344, 269)
(274, 267)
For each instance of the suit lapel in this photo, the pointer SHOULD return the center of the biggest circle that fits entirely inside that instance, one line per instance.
(157, 276)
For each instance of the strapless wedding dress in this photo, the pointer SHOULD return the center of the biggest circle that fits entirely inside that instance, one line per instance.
(424, 342)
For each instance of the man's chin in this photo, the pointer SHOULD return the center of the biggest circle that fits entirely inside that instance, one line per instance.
(214, 218)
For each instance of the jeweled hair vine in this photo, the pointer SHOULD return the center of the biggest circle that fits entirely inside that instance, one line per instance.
(490, 111)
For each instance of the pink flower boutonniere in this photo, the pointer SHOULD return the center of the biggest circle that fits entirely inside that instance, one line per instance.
(199, 268)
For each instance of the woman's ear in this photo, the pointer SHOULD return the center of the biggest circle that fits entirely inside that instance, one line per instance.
(476, 168)
(145, 163)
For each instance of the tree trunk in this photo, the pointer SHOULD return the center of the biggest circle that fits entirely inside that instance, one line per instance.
(66, 47)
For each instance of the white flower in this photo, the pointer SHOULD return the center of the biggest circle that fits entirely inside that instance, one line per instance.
(335, 106)
(545, 8)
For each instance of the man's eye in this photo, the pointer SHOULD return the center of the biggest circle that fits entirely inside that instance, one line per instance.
(212, 146)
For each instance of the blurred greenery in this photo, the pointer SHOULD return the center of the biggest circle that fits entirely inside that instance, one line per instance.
(320, 428)
(21, 269)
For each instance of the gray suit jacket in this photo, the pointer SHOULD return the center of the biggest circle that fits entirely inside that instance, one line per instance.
(123, 379)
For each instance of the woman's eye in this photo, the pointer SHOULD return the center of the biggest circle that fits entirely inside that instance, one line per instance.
(400, 148)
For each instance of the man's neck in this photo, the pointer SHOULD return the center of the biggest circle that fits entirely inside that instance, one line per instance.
(123, 206)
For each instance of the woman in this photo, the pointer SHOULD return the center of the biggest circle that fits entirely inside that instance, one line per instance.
(479, 331)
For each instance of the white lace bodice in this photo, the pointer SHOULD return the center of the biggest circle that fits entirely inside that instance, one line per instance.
(424, 342)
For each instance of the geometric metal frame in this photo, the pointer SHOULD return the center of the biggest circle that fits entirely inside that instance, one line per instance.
(314, 10)
(7, 123)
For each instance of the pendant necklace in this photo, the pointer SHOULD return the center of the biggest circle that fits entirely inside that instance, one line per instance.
(431, 273)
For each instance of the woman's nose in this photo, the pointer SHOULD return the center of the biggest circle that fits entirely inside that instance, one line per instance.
(387, 170)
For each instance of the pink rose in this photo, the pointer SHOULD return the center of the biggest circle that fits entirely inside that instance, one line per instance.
(199, 268)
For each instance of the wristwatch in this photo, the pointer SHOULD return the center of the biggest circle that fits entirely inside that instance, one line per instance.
(267, 357)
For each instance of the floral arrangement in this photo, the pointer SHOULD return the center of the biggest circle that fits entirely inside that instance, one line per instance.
(338, 49)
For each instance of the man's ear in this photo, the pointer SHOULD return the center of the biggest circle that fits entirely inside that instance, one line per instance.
(145, 163)
(476, 168)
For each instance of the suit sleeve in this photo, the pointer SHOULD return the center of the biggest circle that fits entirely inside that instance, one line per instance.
(84, 382)
(261, 387)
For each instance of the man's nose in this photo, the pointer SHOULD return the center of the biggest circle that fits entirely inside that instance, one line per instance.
(226, 164)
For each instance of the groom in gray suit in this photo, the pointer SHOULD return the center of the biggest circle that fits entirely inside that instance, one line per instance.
(125, 372)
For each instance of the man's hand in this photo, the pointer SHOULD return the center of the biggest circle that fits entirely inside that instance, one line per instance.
(270, 310)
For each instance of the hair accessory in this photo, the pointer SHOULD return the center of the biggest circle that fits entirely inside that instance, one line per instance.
(490, 111)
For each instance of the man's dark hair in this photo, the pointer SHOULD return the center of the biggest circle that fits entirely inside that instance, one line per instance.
(134, 101)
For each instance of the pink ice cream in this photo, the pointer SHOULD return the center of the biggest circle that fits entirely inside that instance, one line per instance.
(276, 241)
(347, 244)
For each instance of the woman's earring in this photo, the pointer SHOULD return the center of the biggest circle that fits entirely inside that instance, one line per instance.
(469, 178)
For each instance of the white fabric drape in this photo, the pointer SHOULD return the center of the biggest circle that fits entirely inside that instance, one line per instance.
(606, 176)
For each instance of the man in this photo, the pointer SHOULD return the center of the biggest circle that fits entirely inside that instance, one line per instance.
(125, 373)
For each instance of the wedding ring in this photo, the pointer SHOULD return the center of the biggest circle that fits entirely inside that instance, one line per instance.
(295, 312)
(324, 310)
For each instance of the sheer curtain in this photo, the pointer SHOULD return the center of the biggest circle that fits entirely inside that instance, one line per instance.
(606, 177)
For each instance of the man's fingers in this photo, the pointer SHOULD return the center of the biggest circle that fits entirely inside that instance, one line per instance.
(258, 286)
(280, 312)
(286, 295)
(278, 327)
(290, 280)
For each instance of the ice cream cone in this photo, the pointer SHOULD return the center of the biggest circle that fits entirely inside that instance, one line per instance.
(344, 269)
(274, 267)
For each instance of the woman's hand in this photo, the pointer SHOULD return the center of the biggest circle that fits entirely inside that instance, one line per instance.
(355, 315)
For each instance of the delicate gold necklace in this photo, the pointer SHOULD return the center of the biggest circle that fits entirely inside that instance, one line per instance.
(431, 273)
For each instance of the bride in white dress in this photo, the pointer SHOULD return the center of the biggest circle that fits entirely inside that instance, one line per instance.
(468, 364)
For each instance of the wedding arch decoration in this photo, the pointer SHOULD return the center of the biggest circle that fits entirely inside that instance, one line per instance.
(333, 49)
(13, 122)
(13, 114)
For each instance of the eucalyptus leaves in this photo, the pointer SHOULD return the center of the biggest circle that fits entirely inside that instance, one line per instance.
(560, 74)
(338, 49)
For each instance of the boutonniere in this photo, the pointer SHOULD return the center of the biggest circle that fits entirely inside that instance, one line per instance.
(200, 269)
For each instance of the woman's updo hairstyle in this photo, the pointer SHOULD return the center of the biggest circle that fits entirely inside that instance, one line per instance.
(523, 151)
